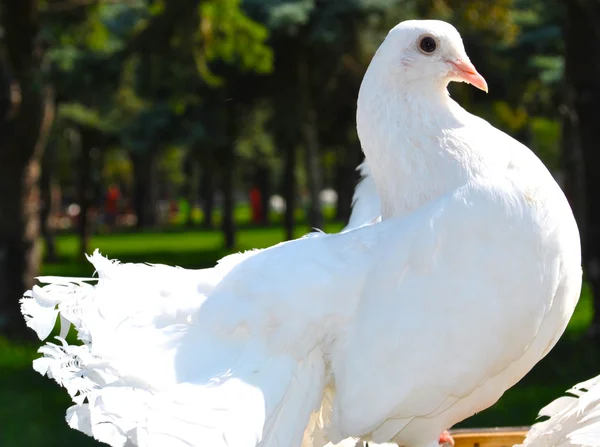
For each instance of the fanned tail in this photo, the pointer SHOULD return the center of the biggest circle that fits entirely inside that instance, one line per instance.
(143, 375)
(573, 420)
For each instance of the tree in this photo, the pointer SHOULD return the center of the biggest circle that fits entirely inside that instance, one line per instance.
(582, 132)
(26, 114)
(310, 39)
(224, 45)
(85, 74)
(255, 149)
(160, 58)
(49, 198)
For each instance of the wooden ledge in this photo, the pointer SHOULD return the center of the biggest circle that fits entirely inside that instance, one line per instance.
(489, 437)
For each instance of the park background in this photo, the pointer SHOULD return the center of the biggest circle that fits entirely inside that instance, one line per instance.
(178, 131)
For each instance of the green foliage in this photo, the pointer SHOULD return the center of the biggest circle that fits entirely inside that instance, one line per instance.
(285, 15)
(117, 167)
(551, 68)
(325, 19)
(78, 114)
(150, 72)
(170, 165)
(254, 141)
(227, 34)
(513, 118)
(124, 68)
(546, 138)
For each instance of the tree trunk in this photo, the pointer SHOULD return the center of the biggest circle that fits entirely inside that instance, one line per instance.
(346, 179)
(285, 124)
(83, 168)
(189, 169)
(26, 114)
(48, 190)
(310, 138)
(286, 137)
(573, 162)
(207, 185)
(144, 193)
(207, 191)
(227, 156)
(289, 189)
(583, 90)
(344, 188)
(228, 189)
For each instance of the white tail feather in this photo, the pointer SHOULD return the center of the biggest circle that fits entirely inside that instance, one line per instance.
(573, 421)
(145, 376)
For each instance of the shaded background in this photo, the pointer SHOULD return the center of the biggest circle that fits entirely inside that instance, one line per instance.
(177, 131)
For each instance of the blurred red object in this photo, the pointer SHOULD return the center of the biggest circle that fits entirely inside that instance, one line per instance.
(111, 207)
(256, 206)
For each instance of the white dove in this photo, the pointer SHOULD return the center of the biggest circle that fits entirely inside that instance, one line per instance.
(344, 331)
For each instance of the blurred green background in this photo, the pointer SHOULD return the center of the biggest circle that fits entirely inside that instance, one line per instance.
(178, 131)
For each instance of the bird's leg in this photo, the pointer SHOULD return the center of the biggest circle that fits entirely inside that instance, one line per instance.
(446, 440)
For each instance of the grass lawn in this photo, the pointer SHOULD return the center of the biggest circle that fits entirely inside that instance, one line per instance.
(32, 407)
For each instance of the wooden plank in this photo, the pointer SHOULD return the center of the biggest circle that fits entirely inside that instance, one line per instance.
(489, 437)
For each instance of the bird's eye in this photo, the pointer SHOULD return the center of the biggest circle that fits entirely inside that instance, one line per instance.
(427, 45)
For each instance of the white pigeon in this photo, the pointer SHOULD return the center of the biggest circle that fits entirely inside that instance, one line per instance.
(573, 421)
(476, 257)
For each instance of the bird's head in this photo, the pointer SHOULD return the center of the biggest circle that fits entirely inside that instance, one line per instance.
(423, 52)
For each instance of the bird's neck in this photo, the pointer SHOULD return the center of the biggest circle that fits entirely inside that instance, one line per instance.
(408, 137)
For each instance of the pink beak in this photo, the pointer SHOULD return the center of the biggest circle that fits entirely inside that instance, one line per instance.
(465, 71)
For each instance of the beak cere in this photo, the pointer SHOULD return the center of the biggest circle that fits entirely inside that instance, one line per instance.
(465, 71)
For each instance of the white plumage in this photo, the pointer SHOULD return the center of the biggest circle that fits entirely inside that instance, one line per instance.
(573, 421)
(476, 256)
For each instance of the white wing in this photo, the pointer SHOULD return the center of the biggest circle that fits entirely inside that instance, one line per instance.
(572, 421)
(146, 376)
